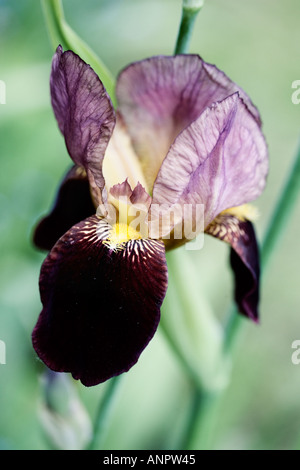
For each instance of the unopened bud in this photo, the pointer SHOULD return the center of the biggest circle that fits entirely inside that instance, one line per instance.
(63, 416)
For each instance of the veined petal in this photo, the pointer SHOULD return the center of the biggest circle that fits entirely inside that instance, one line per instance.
(73, 203)
(83, 111)
(132, 207)
(160, 96)
(101, 307)
(137, 196)
(244, 258)
(220, 161)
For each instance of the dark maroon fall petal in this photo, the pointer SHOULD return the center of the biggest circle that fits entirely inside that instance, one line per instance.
(245, 265)
(100, 307)
(244, 260)
(83, 110)
(73, 203)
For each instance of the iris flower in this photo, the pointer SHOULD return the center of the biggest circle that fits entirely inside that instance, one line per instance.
(183, 134)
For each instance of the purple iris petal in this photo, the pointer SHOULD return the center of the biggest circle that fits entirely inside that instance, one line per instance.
(244, 258)
(83, 111)
(100, 307)
(220, 161)
(160, 96)
(73, 203)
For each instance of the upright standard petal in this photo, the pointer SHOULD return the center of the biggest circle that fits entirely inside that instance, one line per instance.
(83, 111)
(244, 259)
(73, 203)
(160, 96)
(220, 161)
(101, 307)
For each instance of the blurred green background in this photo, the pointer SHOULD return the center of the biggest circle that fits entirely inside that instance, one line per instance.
(257, 44)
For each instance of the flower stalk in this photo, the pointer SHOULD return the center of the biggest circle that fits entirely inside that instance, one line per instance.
(104, 412)
(190, 10)
(283, 211)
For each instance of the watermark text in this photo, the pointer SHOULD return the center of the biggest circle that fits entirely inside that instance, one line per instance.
(2, 352)
(296, 354)
(175, 224)
(2, 92)
(296, 94)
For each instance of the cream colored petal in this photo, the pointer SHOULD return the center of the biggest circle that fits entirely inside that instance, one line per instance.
(120, 161)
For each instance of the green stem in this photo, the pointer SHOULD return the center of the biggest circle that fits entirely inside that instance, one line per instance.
(232, 328)
(192, 326)
(61, 33)
(282, 212)
(185, 302)
(52, 12)
(104, 413)
(180, 357)
(199, 427)
(195, 416)
(188, 18)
